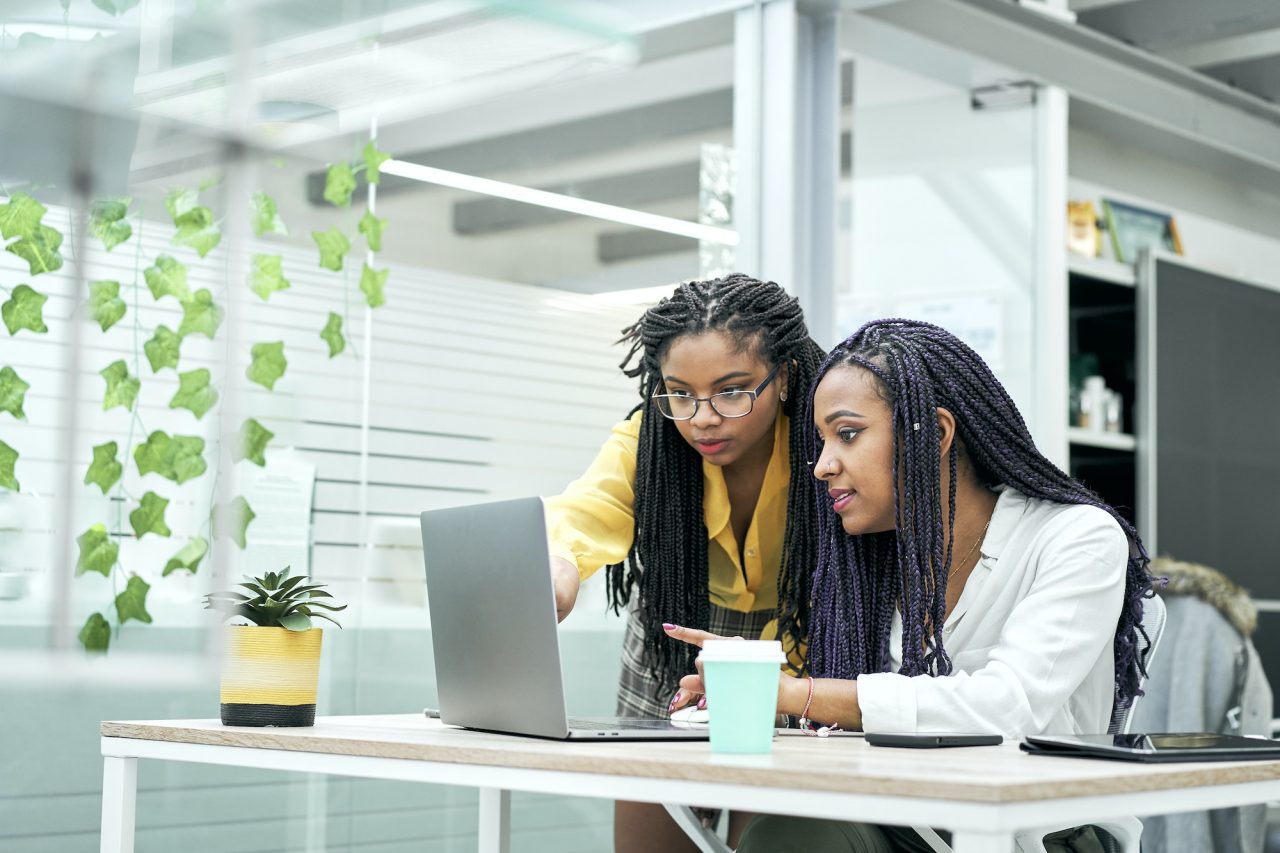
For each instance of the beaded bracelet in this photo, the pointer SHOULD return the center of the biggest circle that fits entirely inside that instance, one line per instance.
(806, 725)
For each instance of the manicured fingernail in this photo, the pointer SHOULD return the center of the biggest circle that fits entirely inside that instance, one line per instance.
(702, 704)
(674, 699)
(667, 626)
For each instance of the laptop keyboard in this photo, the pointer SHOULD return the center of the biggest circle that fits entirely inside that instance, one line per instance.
(616, 725)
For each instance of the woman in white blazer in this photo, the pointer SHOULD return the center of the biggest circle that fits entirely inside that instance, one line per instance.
(964, 582)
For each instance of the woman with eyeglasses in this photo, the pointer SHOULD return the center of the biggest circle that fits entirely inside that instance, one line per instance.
(690, 503)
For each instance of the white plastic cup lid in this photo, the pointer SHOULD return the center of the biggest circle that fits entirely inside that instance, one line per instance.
(745, 651)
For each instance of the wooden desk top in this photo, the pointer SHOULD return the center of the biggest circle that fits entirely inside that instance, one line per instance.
(993, 774)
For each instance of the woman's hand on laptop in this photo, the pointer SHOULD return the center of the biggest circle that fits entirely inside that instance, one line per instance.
(692, 687)
(565, 582)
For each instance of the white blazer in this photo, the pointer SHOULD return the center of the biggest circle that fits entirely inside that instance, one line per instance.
(1032, 637)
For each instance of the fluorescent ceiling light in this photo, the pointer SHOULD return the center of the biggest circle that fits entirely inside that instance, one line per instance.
(542, 198)
(635, 295)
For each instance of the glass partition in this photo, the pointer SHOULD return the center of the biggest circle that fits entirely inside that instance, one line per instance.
(229, 350)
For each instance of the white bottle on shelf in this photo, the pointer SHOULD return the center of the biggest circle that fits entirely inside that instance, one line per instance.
(1093, 403)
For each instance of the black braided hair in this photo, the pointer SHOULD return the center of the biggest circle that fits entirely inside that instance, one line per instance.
(667, 562)
(921, 367)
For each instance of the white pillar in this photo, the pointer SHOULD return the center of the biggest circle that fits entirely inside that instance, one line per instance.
(1050, 405)
(786, 124)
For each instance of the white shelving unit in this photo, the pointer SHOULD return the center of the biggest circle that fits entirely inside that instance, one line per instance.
(1097, 438)
(1104, 269)
(1102, 320)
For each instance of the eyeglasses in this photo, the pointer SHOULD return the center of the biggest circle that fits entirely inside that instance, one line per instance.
(727, 404)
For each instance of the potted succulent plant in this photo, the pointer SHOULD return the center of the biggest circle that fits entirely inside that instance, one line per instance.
(271, 667)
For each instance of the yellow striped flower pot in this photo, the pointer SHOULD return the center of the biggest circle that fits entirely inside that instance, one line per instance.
(269, 676)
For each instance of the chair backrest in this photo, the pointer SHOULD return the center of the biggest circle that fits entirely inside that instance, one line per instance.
(1153, 617)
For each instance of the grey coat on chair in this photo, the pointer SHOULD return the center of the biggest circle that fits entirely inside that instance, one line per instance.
(1208, 678)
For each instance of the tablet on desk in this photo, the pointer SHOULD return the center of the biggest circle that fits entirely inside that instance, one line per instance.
(932, 740)
(1155, 747)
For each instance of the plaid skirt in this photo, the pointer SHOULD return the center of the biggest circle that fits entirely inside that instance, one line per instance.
(639, 693)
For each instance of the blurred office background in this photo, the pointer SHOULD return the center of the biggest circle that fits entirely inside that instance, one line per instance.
(174, 218)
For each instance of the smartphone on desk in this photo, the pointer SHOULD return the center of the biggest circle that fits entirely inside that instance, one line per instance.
(932, 740)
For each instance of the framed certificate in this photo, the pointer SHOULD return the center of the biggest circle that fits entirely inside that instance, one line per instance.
(1134, 229)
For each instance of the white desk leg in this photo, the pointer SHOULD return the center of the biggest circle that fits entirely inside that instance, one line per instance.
(977, 841)
(495, 820)
(119, 801)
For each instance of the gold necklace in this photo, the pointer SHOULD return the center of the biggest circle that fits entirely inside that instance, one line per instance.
(966, 557)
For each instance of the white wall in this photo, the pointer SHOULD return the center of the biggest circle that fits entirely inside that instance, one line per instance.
(942, 223)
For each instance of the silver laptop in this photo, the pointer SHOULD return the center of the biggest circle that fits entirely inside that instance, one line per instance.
(494, 632)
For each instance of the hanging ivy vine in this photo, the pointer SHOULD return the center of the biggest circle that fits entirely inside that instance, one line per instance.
(176, 458)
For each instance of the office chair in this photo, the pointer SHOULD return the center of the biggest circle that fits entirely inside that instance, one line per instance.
(1125, 833)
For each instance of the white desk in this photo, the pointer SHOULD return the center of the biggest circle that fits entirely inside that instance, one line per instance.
(983, 794)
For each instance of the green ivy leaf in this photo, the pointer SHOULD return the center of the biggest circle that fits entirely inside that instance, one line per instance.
(122, 389)
(13, 393)
(194, 393)
(104, 471)
(267, 275)
(163, 350)
(180, 202)
(188, 558)
(334, 246)
(252, 443)
(106, 218)
(132, 603)
(178, 458)
(268, 364)
(20, 216)
(167, 277)
(232, 520)
(24, 309)
(97, 552)
(115, 7)
(95, 636)
(39, 250)
(266, 220)
(28, 41)
(199, 232)
(8, 458)
(339, 183)
(149, 517)
(370, 227)
(194, 221)
(105, 303)
(331, 334)
(371, 284)
(200, 314)
(373, 160)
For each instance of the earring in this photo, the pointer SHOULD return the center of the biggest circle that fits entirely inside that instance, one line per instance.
(784, 396)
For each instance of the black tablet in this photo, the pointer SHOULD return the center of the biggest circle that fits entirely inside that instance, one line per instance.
(932, 740)
(1154, 747)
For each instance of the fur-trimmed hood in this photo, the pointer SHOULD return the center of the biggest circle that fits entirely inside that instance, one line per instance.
(1210, 586)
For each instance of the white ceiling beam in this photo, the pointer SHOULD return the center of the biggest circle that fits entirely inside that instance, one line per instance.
(1101, 70)
(1086, 5)
(1242, 48)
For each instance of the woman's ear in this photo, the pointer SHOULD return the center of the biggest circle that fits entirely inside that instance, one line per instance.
(946, 430)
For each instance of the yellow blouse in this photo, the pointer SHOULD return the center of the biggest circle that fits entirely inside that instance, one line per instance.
(592, 523)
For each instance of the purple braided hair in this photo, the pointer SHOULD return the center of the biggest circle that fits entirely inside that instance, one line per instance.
(921, 367)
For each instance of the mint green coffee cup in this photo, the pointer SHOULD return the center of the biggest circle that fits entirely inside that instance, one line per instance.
(742, 693)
